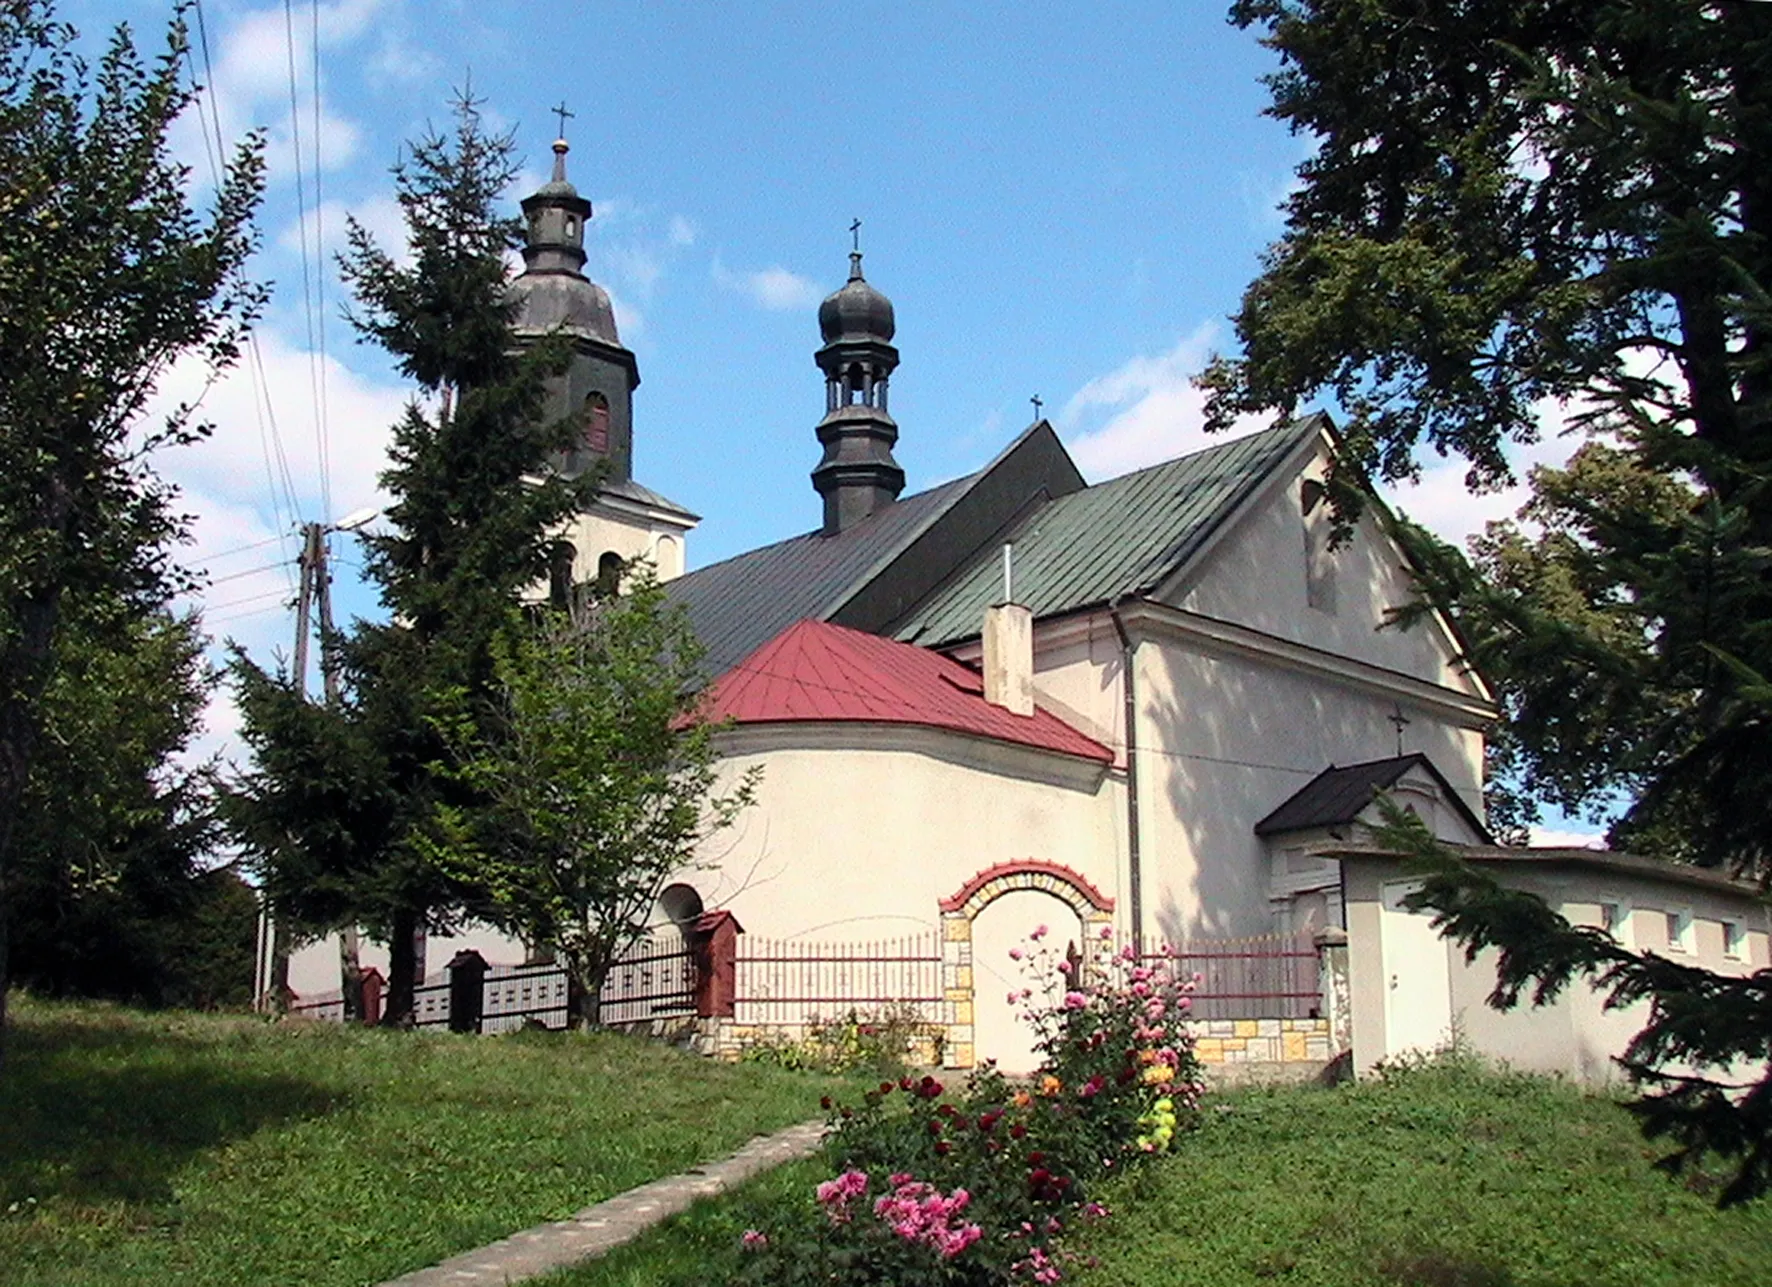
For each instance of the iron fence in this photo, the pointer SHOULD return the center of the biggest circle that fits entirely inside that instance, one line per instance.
(1268, 976)
(785, 983)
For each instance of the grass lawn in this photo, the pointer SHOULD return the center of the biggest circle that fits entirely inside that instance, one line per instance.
(198, 1149)
(1452, 1176)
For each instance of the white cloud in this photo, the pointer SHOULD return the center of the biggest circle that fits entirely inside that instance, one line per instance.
(1145, 411)
(774, 288)
(255, 59)
(381, 215)
(682, 231)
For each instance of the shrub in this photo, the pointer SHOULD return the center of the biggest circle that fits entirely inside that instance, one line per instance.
(977, 1185)
(885, 1042)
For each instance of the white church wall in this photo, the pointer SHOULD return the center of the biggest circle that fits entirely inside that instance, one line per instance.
(860, 830)
(1267, 571)
(630, 536)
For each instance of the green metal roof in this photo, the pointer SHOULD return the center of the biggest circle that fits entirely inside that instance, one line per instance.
(1123, 536)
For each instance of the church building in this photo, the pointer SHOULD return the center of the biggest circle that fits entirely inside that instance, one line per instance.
(1154, 707)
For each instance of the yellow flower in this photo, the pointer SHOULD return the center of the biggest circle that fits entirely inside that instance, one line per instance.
(1050, 1085)
(1021, 1099)
(1157, 1074)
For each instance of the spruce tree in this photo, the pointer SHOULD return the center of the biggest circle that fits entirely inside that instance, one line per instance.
(341, 805)
(1518, 203)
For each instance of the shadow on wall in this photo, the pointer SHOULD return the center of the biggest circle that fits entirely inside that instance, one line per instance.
(1229, 740)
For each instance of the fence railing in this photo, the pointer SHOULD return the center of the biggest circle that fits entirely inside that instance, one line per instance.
(1269, 976)
(654, 979)
(787, 982)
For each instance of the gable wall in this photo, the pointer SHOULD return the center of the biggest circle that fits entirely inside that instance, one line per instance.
(1258, 576)
(1223, 738)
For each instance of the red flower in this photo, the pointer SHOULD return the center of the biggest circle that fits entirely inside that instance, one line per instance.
(1018, 1130)
(824, 1102)
(943, 1148)
(935, 1126)
(885, 1088)
(1036, 1158)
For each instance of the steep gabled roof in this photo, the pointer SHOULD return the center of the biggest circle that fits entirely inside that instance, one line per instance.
(1337, 796)
(816, 672)
(1124, 536)
(868, 574)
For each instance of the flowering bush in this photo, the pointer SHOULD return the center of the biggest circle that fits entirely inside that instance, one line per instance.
(977, 1184)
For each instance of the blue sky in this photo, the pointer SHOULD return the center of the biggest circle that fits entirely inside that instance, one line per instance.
(1060, 200)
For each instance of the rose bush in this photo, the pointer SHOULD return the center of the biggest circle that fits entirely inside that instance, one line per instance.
(977, 1183)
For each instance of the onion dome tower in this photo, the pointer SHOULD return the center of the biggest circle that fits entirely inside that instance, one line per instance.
(552, 293)
(858, 475)
(625, 521)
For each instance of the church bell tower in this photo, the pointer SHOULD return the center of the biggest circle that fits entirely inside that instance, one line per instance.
(625, 521)
(858, 475)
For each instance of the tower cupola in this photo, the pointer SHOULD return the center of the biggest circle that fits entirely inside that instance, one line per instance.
(552, 296)
(858, 475)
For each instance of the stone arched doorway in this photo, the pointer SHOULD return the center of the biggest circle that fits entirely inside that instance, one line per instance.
(963, 975)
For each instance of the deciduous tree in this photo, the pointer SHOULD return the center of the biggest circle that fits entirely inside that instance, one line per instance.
(598, 781)
(107, 275)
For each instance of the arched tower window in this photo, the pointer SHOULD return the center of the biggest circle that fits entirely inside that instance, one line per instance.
(596, 424)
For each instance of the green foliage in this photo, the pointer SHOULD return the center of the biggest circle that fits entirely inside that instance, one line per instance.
(980, 1186)
(108, 898)
(107, 276)
(884, 1042)
(591, 780)
(1520, 206)
(341, 810)
(211, 1151)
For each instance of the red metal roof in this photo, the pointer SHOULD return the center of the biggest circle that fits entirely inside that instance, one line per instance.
(818, 672)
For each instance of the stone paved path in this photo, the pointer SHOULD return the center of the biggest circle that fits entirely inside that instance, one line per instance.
(597, 1229)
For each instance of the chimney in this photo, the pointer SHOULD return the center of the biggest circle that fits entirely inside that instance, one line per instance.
(1009, 657)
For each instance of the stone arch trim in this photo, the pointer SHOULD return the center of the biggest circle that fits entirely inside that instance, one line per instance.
(1093, 908)
(1029, 873)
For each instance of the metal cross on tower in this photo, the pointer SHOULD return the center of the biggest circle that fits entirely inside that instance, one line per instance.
(564, 116)
(1037, 405)
(855, 236)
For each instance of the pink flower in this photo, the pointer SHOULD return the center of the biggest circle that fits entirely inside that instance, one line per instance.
(1039, 933)
(1075, 1000)
(1107, 931)
(1015, 954)
(755, 1240)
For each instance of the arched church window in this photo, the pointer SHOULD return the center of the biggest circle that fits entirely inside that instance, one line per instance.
(854, 383)
(596, 424)
(609, 570)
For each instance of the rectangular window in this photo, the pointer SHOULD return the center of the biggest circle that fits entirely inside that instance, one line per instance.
(1680, 932)
(1735, 940)
(1615, 920)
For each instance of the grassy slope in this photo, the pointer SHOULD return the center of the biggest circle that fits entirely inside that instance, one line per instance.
(202, 1149)
(1449, 1177)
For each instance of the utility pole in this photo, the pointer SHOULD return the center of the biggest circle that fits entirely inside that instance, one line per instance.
(273, 992)
(350, 962)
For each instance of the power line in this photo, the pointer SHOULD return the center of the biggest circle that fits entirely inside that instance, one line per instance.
(301, 218)
(320, 288)
(251, 598)
(242, 549)
(236, 576)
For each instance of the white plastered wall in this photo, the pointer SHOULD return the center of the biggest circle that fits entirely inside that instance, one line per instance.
(860, 830)
(1575, 1035)
(631, 533)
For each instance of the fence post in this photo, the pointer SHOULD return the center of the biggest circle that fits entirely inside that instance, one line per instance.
(467, 991)
(1331, 945)
(716, 964)
(373, 984)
